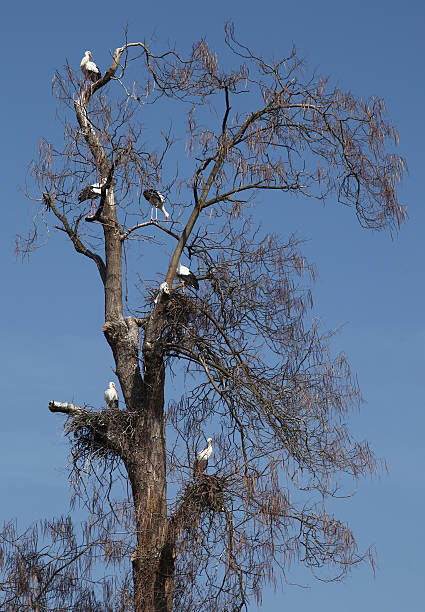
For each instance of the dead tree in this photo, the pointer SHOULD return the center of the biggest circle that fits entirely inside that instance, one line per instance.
(257, 373)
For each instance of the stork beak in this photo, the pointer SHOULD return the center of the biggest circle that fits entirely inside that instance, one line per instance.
(90, 55)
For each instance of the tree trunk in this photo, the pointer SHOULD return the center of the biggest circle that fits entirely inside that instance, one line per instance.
(145, 457)
(146, 467)
(146, 471)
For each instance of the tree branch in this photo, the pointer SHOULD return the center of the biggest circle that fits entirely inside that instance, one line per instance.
(66, 408)
(79, 246)
(125, 234)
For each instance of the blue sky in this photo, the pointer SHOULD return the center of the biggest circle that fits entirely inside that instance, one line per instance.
(369, 284)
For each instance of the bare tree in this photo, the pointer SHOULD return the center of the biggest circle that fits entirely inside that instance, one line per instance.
(256, 370)
(50, 567)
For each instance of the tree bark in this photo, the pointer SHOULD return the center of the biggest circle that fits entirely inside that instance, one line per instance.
(145, 460)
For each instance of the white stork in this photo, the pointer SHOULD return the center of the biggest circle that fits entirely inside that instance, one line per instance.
(111, 396)
(91, 192)
(89, 68)
(186, 276)
(156, 199)
(201, 460)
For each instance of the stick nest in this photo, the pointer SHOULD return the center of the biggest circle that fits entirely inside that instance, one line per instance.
(105, 434)
(206, 493)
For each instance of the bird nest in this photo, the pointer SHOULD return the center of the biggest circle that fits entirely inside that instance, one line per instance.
(180, 308)
(206, 493)
(101, 435)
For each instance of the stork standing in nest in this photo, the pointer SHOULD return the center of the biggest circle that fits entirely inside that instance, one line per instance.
(111, 396)
(186, 277)
(202, 458)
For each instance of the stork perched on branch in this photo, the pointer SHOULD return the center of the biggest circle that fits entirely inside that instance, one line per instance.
(186, 277)
(156, 199)
(89, 68)
(201, 460)
(91, 192)
(111, 396)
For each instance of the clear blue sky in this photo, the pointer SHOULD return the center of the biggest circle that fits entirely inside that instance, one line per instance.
(371, 285)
